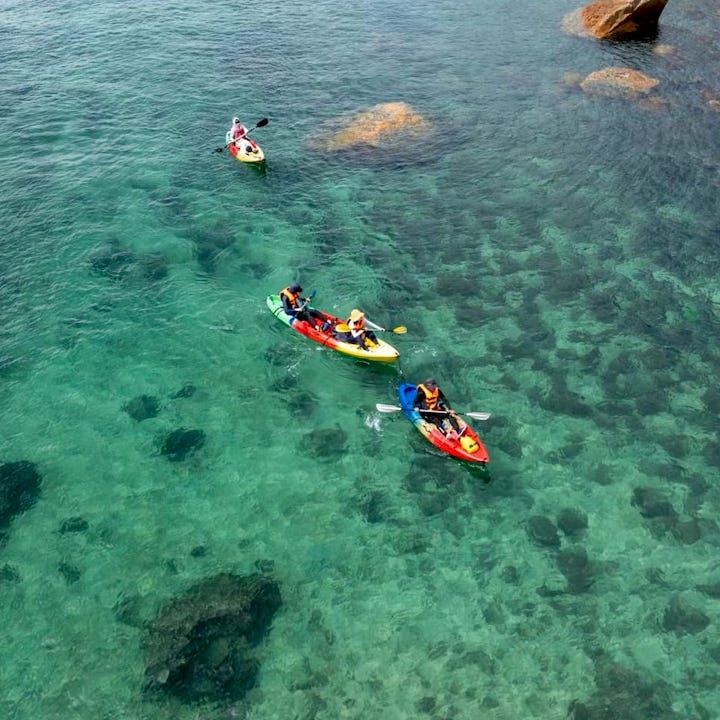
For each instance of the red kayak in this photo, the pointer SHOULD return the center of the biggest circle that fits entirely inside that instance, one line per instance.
(468, 446)
(327, 334)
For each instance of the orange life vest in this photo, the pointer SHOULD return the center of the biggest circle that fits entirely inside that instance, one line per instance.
(431, 396)
(291, 296)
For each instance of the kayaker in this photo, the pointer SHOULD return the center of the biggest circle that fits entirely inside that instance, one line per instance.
(429, 397)
(237, 131)
(358, 332)
(296, 306)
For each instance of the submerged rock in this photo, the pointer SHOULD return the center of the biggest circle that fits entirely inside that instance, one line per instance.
(9, 574)
(203, 644)
(113, 261)
(374, 127)
(186, 391)
(682, 618)
(572, 521)
(623, 694)
(142, 407)
(712, 589)
(181, 443)
(19, 489)
(70, 572)
(577, 569)
(542, 532)
(619, 82)
(713, 99)
(652, 503)
(74, 525)
(154, 267)
(688, 532)
(326, 442)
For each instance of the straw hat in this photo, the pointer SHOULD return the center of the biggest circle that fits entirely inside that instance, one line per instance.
(356, 314)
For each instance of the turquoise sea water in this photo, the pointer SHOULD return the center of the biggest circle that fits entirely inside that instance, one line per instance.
(555, 258)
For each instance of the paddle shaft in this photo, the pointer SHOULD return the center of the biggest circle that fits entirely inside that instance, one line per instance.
(400, 330)
(395, 408)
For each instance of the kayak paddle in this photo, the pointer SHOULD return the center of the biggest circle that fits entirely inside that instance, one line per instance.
(394, 408)
(399, 330)
(259, 124)
(306, 300)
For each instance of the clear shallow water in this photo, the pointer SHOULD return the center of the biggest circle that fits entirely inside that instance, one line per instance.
(555, 260)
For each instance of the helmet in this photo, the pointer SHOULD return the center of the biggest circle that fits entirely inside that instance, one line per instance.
(236, 121)
(295, 287)
(356, 314)
(431, 383)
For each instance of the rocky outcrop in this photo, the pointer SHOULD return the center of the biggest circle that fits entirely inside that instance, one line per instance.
(373, 128)
(616, 19)
(203, 644)
(712, 99)
(617, 82)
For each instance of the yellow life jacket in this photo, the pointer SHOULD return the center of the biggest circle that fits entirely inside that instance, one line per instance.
(291, 296)
(431, 396)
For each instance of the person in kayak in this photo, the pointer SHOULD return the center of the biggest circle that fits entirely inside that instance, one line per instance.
(296, 306)
(359, 334)
(430, 397)
(238, 131)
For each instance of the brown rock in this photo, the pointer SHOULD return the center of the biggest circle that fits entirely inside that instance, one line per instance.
(619, 82)
(374, 127)
(619, 19)
(713, 100)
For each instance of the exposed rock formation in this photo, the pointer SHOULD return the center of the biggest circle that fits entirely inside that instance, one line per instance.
(616, 19)
(202, 644)
(374, 127)
(617, 82)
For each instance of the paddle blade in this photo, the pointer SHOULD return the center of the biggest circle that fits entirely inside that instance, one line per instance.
(388, 408)
(262, 123)
(478, 415)
(400, 330)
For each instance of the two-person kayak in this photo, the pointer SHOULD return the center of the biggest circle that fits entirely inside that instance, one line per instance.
(468, 446)
(329, 330)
